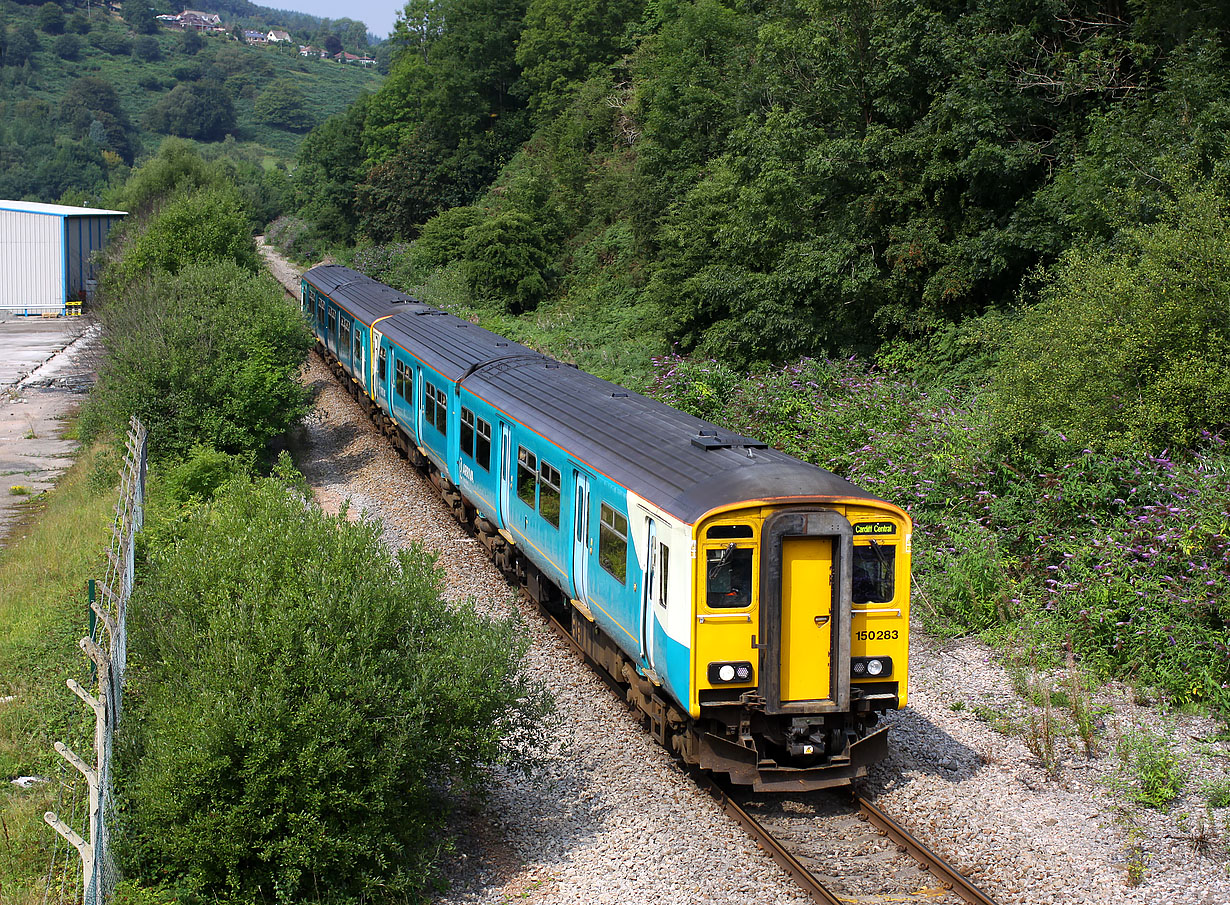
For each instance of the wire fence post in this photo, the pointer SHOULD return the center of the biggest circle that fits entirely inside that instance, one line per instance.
(109, 612)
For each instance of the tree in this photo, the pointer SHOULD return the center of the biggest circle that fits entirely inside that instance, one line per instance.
(67, 47)
(205, 227)
(333, 44)
(21, 46)
(146, 48)
(140, 17)
(330, 165)
(190, 43)
(283, 104)
(50, 18)
(201, 110)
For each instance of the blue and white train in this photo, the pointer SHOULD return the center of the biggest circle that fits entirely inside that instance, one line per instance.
(755, 607)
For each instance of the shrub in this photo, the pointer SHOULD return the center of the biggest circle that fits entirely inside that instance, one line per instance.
(1131, 342)
(67, 46)
(206, 225)
(506, 259)
(207, 355)
(309, 706)
(442, 240)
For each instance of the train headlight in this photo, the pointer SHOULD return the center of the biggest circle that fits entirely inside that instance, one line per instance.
(871, 667)
(733, 673)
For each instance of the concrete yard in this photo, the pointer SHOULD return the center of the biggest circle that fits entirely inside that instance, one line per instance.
(45, 366)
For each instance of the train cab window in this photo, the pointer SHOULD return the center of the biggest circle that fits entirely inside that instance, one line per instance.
(403, 383)
(613, 542)
(874, 569)
(382, 365)
(728, 532)
(548, 493)
(527, 476)
(442, 412)
(729, 583)
(482, 445)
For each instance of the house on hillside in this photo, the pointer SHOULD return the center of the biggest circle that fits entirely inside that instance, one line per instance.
(254, 37)
(277, 37)
(211, 20)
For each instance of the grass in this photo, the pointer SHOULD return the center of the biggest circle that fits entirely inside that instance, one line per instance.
(42, 615)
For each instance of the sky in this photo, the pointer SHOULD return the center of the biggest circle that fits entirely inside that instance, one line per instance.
(378, 15)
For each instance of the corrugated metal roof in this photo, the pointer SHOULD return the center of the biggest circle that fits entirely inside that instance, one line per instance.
(57, 210)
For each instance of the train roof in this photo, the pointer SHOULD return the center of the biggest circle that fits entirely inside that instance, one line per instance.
(683, 464)
(364, 297)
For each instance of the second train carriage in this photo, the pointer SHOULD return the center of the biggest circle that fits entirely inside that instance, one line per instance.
(756, 606)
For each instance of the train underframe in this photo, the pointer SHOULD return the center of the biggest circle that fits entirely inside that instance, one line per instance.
(737, 738)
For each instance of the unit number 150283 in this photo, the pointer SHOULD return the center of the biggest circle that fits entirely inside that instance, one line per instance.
(885, 635)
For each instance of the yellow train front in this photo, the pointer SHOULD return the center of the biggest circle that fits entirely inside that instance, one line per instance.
(800, 639)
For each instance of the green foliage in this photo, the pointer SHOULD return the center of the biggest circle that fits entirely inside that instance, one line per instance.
(283, 104)
(330, 160)
(202, 472)
(206, 355)
(177, 169)
(67, 47)
(1156, 770)
(50, 18)
(208, 225)
(147, 48)
(201, 110)
(1217, 793)
(309, 703)
(507, 258)
(443, 238)
(1130, 341)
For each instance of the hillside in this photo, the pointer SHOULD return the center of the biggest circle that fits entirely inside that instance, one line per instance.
(84, 93)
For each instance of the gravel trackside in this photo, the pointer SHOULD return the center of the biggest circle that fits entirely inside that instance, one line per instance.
(610, 818)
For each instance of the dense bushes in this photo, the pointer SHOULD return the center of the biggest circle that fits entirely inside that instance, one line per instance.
(200, 344)
(305, 706)
(206, 355)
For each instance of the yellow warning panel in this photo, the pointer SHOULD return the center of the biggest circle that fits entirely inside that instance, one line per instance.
(807, 625)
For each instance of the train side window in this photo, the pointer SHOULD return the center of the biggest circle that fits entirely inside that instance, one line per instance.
(467, 432)
(402, 381)
(442, 412)
(358, 344)
(613, 542)
(482, 450)
(548, 493)
(429, 403)
(382, 366)
(527, 476)
(320, 309)
(729, 572)
(874, 573)
(343, 336)
(333, 322)
(664, 568)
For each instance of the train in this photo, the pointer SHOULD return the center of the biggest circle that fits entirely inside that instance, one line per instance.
(754, 607)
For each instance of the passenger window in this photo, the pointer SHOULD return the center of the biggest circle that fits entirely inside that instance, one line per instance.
(729, 577)
(383, 364)
(482, 451)
(429, 404)
(442, 412)
(358, 344)
(664, 568)
(874, 570)
(403, 383)
(527, 476)
(467, 432)
(613, 542)
(548, 494)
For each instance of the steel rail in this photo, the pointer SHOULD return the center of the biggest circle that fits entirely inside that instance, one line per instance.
(769, 845)
(948, 875)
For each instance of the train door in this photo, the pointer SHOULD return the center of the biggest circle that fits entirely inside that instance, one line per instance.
(380, 380)
(506, 471)
(807, 609)
(580, 537)
(649, 589)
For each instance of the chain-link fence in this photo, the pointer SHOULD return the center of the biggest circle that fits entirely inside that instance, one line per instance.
(107, 647)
